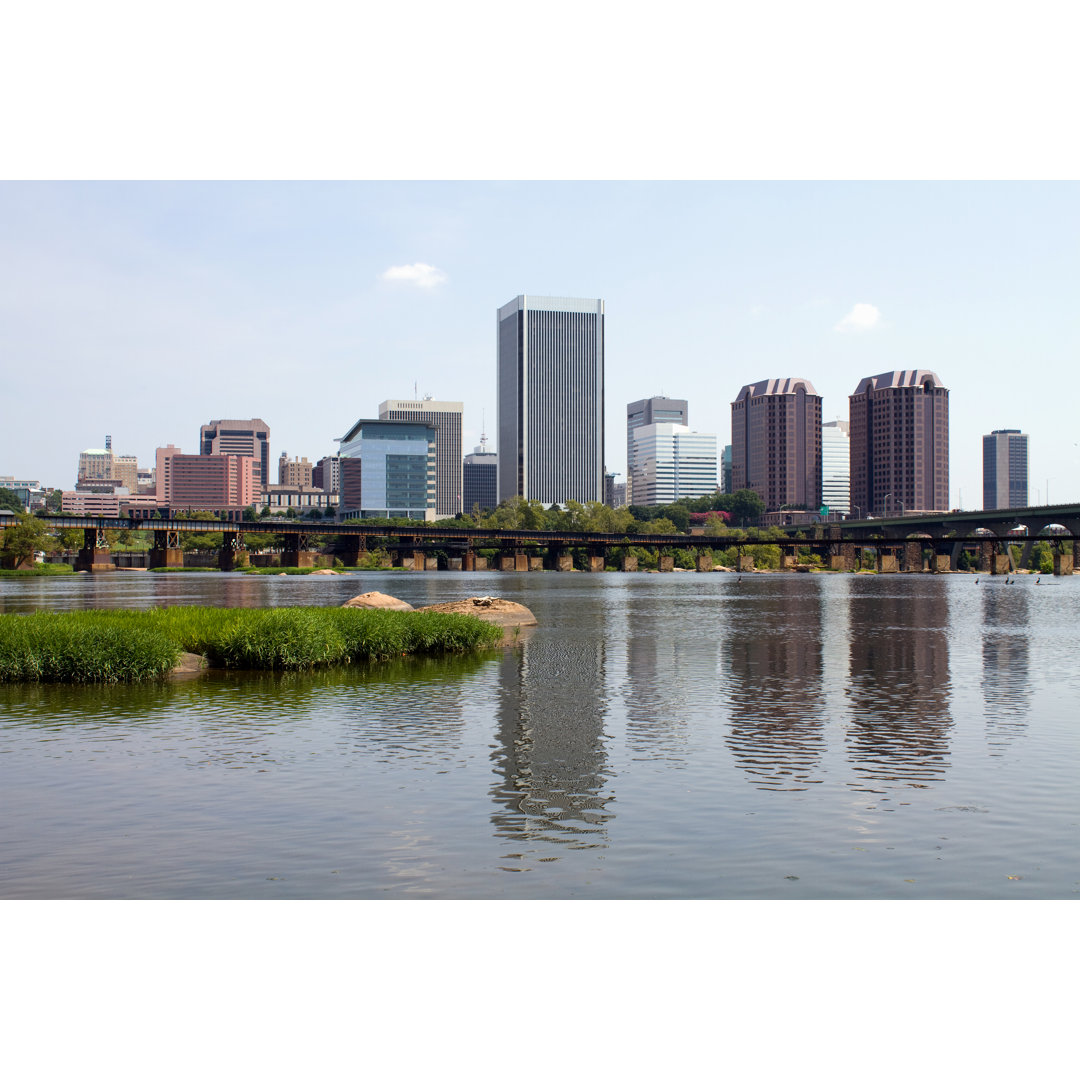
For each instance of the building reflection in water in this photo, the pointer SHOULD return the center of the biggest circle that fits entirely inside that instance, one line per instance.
(672, 664)
(550, 757)
(900, 720)
(776, 730)
(1006, 683)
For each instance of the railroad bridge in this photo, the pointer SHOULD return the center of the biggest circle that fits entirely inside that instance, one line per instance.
(931, 542)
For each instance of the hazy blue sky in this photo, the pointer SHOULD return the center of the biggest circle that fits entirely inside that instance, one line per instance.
(143, 310)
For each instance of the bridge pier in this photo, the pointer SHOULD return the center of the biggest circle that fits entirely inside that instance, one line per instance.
(232, 553)
(296, 553)
(744, 563)
(513, 559)
(665, 563)
(703, 563)
(353, 549)
(842, 557)
(94, 555)
(887, 562)
(789, 558)
(628, 563)
(595, 559)
(1065, 559)
(913, 557)
(166, 551)
(468, 560)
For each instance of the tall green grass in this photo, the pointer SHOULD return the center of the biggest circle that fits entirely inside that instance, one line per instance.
(129, 646)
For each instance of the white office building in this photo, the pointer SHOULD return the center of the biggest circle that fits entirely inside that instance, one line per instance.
(836, 467)
(672, 462)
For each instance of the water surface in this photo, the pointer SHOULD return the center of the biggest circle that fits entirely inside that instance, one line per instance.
(678, 735)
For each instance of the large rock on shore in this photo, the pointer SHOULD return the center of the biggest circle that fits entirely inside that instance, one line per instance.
(378, 600)
(491, 609)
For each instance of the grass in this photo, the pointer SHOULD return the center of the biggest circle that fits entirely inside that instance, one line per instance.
(131, 646)
(39, 570)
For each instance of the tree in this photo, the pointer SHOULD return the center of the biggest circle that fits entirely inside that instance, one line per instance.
(746, 506)
(10, 501)
(22, 540)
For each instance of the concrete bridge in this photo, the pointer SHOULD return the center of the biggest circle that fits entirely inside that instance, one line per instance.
(909, 544)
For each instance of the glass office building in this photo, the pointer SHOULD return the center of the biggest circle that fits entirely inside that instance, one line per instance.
(388, 470)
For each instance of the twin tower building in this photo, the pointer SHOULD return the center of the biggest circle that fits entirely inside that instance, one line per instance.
(551, 423)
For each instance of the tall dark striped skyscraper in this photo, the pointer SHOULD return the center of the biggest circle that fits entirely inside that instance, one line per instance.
(899, 431)
(1005, 469)
(551, 399)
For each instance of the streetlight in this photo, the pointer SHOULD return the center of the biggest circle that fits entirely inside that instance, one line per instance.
(858, 512)
(887, 498)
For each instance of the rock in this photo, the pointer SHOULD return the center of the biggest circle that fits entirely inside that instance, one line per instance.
(378, 600)
(324, 572)
(491, 609)
(190, 664)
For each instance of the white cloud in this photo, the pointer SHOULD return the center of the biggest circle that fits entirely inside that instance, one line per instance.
(860, 317)
(419, 274)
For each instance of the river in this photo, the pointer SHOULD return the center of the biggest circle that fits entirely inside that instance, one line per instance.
(756, 736)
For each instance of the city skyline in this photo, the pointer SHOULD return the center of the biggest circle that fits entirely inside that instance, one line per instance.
(258, 299)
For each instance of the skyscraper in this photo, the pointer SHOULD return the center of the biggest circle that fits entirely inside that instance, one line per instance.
(776, 442)
(836, 467)
(655, 410)
(445, 417)
(1005, 469)
(551, 399)
(899, 430)
(250, 438)
(672, 462)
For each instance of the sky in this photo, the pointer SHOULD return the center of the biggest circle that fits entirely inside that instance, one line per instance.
(145, 309)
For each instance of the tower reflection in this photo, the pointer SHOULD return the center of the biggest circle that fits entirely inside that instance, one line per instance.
(1006, 665)
(899, 684)
(550, 757)
(778, 716)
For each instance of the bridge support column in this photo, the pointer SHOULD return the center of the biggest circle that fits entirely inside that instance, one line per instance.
(887, 562)
(942, 563)
(166, 550)
(703, 562)
(353, 549)
(296, 553)
(468, 560)
(1064, 560)
(94, 556)
(1025, 555)
(419, 559)
(986, 556)
(665, 563)
(842, 557)
(789, 558)
(628, 563)
(744, 563)
(913, 557)
(954, 555)
(596, 559)
(233, 554)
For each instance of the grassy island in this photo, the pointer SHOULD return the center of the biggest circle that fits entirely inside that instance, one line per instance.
(132, 646)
